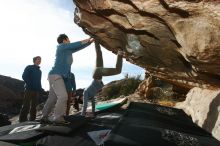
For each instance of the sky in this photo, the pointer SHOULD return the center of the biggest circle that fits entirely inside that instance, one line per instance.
(30, 28)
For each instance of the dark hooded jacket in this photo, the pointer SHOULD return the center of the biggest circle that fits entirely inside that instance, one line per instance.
(32, 78)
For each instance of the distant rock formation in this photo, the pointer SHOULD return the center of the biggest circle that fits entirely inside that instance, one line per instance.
(11, 95)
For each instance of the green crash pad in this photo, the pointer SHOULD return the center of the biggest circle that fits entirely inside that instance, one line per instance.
(105, 106)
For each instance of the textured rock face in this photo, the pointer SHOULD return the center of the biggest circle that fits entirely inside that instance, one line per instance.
(11, 95)
(203, 106)
(176, 40)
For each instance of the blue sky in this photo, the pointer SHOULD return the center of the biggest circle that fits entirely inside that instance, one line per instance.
(30, 27)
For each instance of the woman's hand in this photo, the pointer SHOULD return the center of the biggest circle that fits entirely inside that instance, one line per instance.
(90, 40)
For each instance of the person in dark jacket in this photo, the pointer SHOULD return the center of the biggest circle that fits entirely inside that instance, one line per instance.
(32, 79)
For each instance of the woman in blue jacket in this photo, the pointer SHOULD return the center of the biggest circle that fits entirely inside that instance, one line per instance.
(57, 98)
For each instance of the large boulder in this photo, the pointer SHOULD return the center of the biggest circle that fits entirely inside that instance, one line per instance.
(176, 41)
(203, 106)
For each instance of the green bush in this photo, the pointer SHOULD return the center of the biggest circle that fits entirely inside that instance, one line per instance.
(125, 87)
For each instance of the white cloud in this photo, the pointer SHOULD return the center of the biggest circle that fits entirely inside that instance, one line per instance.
(30, 28)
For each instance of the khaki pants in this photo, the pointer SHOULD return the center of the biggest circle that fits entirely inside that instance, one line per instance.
(57, 98)
(29, 106)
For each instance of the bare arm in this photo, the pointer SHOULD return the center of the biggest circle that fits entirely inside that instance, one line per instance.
(100, 71)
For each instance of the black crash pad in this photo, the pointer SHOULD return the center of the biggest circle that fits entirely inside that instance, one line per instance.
(74, 123)
(24, 136)
(2, 143)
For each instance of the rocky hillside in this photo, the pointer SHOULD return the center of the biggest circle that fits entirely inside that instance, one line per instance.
(11, 95)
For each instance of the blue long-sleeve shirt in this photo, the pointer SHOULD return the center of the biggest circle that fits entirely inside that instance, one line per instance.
(32, 78)
(64, 59)
(93, 88)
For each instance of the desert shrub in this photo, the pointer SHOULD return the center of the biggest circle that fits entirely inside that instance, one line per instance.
(125, 87)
